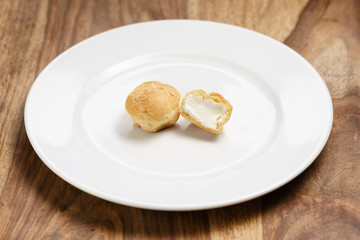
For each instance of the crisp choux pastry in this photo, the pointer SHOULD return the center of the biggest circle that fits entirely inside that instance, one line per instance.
(208, 111)
(153, 106)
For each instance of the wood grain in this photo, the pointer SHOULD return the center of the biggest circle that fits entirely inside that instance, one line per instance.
(322, 203)
(242, 221)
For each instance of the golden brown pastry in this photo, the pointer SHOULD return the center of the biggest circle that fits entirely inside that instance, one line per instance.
(153, 106)
(208, 111)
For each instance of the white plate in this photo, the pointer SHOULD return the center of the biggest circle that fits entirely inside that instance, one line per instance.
(76, 120)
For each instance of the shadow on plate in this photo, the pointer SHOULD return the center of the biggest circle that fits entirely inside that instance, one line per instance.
(190, 131)
(193, 131)
(128, 130)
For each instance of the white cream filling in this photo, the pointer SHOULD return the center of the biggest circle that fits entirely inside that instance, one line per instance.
(204, 110)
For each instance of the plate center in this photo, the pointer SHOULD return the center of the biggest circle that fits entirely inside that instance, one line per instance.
(183, 149)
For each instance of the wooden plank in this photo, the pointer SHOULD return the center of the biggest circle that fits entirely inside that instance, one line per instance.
(322, 203)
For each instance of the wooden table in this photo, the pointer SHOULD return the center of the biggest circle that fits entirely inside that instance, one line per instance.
(322, 203)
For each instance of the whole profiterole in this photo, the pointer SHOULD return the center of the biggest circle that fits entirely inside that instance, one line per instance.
(154, 105)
